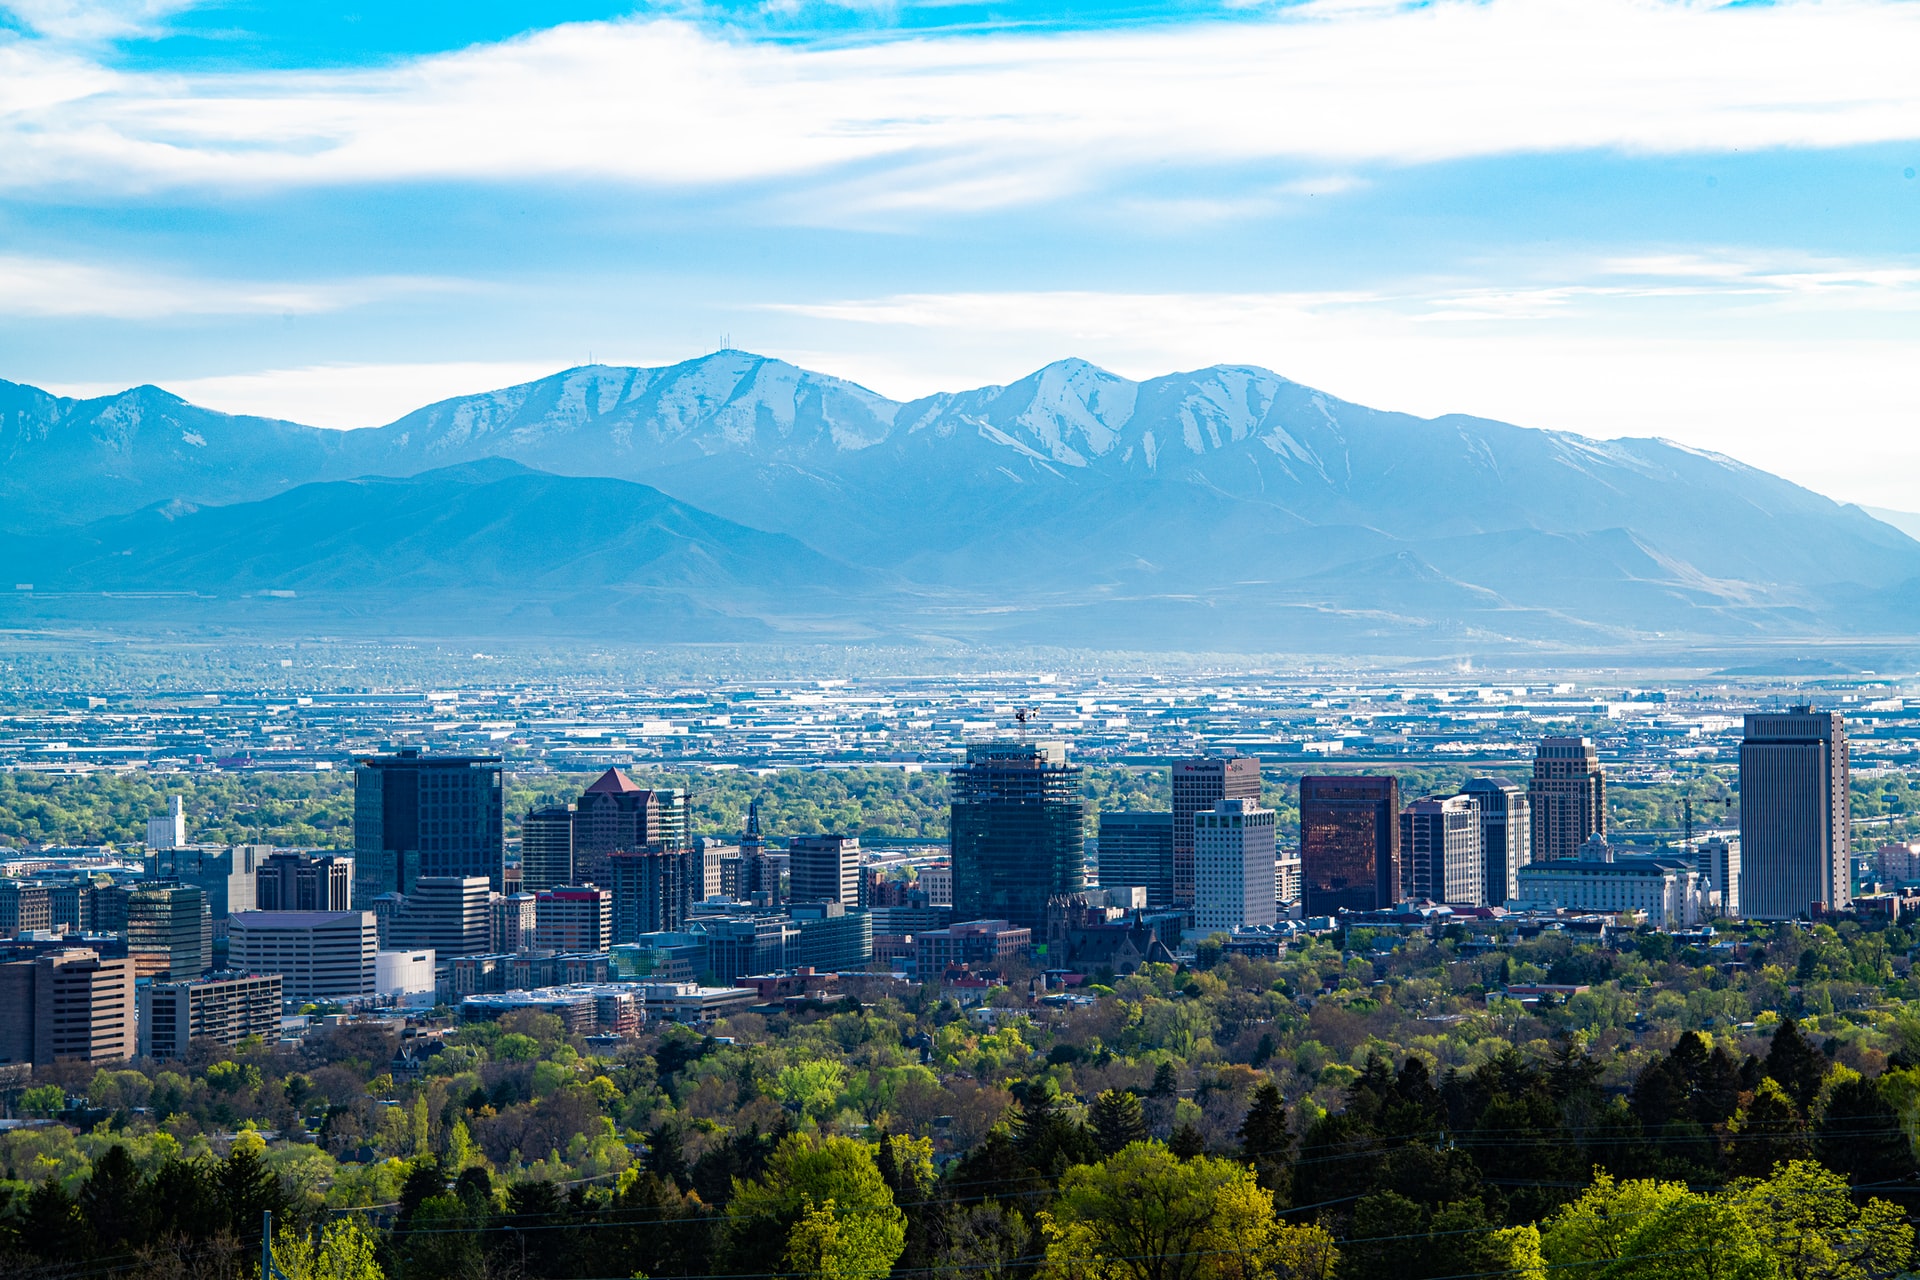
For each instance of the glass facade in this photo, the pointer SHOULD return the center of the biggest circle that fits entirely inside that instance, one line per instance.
(1018, 828)
(1349, 844)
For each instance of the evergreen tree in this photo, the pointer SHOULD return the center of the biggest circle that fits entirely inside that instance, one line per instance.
(1768, 1131)
(1117, 1119)
(1795, 1065)
(1859, 1136)
(1187, 1142)
(666, 1158)
(1265, 1140)
(1166, 1082)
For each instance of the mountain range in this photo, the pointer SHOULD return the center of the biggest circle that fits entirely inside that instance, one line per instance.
(737, 496)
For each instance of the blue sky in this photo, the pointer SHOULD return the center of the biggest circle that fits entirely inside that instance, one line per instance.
(1620, 217)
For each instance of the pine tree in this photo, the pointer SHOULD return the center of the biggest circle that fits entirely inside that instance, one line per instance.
(1265, 1140)
(1118, 1119)
(1166, 1081)
(1187, 1142)
(1796, 1065)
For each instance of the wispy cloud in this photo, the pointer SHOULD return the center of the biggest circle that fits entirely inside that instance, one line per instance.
(53, 287)
(93, 19)
(968, 122)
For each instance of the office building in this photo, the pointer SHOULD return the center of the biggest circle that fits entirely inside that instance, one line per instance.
(1796, 829)
(69, 903)
(319, 955)
(1349, 844)
(704, 861)
(303, 882)
(68, 1006)
(760, 944)
(169, 931)
(1233, 857)
(229, 876)
(224, 1009)
(1018, 829)
(1718, 864)
(1440, 857)
(417, 815)
(515, 919)
(449, 915)
(170, 830)
(1666, 890)
(1506, 835)
(1897, 862)
(1567, 796)
(573, 918)
(546, 848)
(833, 938)
(1199, 783)
(649, 892)
(1136, 848)
(1286, 881)
(824, 869)
(25, 907)
(617, 815)
(936, 882)
(971, 943)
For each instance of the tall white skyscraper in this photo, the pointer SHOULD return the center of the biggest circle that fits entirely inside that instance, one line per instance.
(169, 832)
(1233, 872)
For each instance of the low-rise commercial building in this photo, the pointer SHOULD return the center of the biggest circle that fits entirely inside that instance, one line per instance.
(224, 1008)
(320, 955)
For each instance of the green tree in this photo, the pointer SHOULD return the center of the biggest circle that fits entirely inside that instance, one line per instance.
(822, 1201)
(1767, 1131)
(1648, 1230)
(1145, 1214)
(1117, 1119)
(45, 1100)
(1796, 1065)
(1265, 1140)
(1806, 1219)
(344, 1251)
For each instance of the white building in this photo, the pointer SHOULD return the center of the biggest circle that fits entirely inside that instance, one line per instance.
(1233, 866)
(319, 955)
(404, 976)
(1666, 889)
(169, 832)
(1719, 867)
(1286, 878)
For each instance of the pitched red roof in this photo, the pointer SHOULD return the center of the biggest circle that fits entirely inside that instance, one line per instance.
(611, 782)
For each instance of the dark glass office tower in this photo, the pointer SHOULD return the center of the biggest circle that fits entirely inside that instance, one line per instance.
(1349, 844)
(416, 815)
(1796, 830)
(1018, 829)
(1506, 834)
(1199, 783)
(1137, 849)
(546, 848)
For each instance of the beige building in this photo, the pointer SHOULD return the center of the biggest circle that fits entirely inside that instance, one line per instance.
(1567, 798)
(68, 1006)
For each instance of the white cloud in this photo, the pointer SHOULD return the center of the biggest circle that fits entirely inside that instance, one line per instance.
(93, 19)
(340, 395)
(962, 123)
(32, 286)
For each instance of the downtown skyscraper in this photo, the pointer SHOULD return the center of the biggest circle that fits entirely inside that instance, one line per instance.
(1568, 797)
(1199, 783)
(1018, 829)
(1796, 827)
(1349, 844)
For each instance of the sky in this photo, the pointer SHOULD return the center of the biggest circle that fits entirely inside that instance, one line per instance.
(1617, 217)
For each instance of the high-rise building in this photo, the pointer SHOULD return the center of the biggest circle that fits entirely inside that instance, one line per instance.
(1018, 829)
(303, 882)
(224, 1009)
(1349, 844)
(169, 831)
(573, 918)
(514, 921)
(1199, 783)
(24, 907)
(68, 1006)
(616, 814)
(319, 955)
(417, 815)
(546, 848)
(169, 931)
(1506, 835)
(1233, 877)
(1136, 848)
(1568, 797)
(824, 869)
(1718, 864)
(833, 937)
(229, 876)
(451, 915)
(649, 892)
(1796, 830)
(1440, 854)
(936, 882)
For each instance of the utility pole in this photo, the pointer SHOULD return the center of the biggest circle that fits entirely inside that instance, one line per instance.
(267, 1270)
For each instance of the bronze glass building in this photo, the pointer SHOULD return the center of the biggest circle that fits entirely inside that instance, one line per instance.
(1349, 844)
